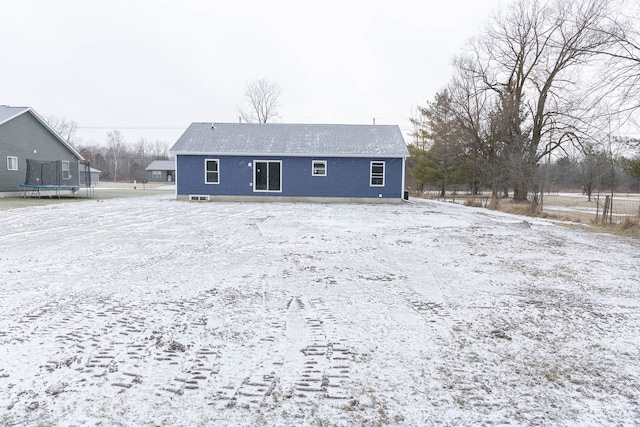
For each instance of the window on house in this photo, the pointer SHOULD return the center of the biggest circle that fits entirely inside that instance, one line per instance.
(156, 174)
(65, 170)
(319, 168)
(377, 174)
(212, 171)
(12, 163)
(267, 176)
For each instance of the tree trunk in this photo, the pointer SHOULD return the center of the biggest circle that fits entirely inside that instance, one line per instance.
(520, 192)
(524, 181)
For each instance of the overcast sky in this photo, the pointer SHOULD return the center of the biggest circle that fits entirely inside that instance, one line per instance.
(149, 68)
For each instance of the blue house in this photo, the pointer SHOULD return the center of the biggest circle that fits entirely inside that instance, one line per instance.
(290, 162)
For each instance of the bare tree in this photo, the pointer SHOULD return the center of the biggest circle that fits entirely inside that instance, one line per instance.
(479, 117)
(63, 127)
(619, 78)
(116, 151)
(530, 58)
(141, 149)
(261, 101)
(161, 150)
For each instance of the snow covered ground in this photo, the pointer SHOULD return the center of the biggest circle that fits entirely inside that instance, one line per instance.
(150, 311)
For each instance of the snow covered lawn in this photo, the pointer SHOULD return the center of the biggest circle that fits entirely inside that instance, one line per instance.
(150, 311)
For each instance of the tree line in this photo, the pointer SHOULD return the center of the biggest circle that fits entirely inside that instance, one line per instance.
(117, 160)
(546, 81)
(121, 161)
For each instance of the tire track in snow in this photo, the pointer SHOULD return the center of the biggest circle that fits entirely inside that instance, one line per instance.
(250, 382)
(105, 342)
(327, 358)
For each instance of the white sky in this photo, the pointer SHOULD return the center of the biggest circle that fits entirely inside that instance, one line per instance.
(149, 68)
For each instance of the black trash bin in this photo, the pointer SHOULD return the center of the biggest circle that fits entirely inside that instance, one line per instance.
(406, 195)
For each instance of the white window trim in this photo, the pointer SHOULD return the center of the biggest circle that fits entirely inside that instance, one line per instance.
(205, 171)
(313, 169)
(67, 169)
(156, 174)
(384, 171)
(254, 176)
(12, 160)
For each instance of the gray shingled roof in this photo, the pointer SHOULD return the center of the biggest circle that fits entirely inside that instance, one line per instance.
(292, 140)
(162, 165)
(7, 112)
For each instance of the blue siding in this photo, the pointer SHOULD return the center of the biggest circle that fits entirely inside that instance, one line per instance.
(346, 177)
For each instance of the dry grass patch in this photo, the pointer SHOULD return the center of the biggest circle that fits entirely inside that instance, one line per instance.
(630, 227)
(518, 208)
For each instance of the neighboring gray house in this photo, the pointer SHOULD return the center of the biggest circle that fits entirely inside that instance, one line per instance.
(161, 171)
(94, 175)
(291, 162)
(25, 135)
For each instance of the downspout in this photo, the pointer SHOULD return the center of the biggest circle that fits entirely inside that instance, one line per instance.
(404, 174)
(175, 176)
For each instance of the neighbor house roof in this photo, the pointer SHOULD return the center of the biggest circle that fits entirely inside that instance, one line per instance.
(9, 113)
(162, 165)
(292, 140)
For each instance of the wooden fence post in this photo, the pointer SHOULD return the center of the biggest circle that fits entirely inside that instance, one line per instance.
(605, 210)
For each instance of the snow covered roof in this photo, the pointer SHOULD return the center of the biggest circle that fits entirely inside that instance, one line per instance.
(292, 140)
(8, 113)
(162, 165)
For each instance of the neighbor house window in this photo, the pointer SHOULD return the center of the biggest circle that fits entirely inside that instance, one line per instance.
(319, 168)
(156, 174)
(377, 174)
(12, 163)
(212, 171)
(65, 170)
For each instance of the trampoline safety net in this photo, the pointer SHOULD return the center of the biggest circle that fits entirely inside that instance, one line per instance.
(41, 172)
(50, 172)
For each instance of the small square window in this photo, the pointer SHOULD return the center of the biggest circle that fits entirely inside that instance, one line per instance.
(156, 174)
(12, 163)
(319, 168)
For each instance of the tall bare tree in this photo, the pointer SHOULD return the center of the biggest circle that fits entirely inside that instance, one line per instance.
(480, 118)
(530, 57)
(619, 77)
(116, 151)
(261, 101)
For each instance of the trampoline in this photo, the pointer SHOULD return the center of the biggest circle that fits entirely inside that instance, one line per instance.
(47, 178)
